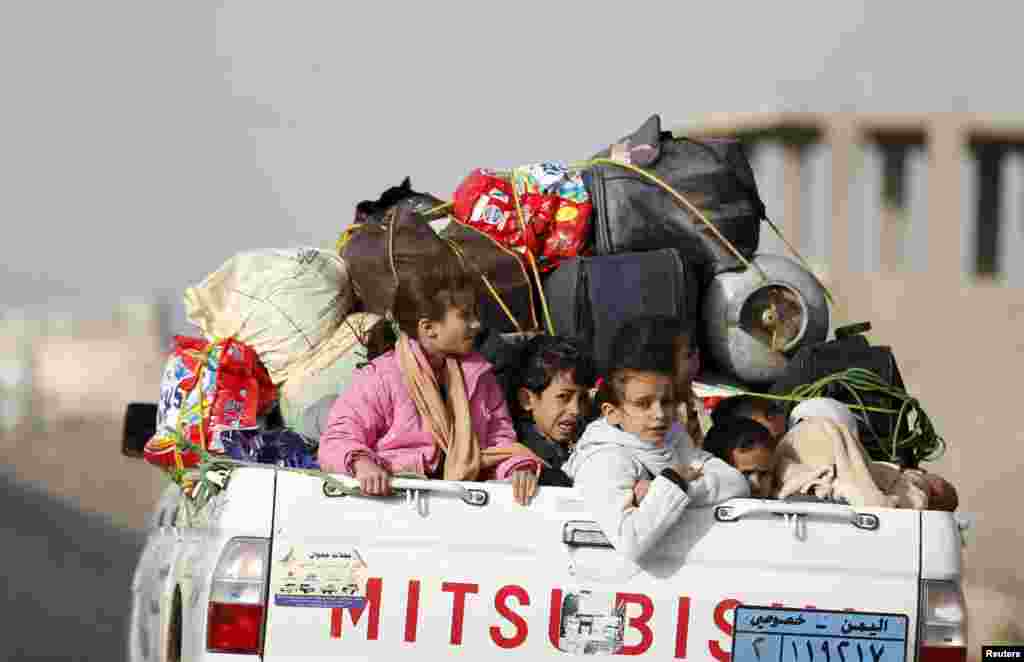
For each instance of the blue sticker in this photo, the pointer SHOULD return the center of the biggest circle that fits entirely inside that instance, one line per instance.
(767, 634)
(320, 601)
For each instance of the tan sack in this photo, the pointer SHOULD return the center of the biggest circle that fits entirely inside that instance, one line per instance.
(821, 458)
(326, 372)
(282, 303)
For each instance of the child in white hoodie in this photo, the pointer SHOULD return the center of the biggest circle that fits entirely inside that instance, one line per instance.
(634, 440)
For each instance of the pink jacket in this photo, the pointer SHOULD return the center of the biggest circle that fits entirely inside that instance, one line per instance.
(375, 417)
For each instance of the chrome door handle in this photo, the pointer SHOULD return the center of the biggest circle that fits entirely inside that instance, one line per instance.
(470, 496)
(733, 512)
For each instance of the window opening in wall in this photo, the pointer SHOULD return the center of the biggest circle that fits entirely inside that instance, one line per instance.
(894, 174)
(896, 148)
(989, 157)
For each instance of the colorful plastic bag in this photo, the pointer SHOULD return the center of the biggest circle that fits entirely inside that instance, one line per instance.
(206, 389)
(554, 203)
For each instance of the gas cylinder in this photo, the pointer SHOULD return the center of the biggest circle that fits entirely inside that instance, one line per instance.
(755, 319)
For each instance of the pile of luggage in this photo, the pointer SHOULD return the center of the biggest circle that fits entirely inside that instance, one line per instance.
(653, 225)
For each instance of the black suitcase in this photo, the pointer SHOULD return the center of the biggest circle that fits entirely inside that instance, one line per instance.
(815, 362)
(591, 297)
(632, 213)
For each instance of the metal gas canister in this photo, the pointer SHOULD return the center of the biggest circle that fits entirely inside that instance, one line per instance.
(755, 320)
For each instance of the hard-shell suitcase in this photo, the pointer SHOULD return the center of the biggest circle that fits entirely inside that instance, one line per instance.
(591, 297)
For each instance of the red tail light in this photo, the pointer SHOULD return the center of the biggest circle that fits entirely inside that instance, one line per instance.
(234, 628)
(943, 630)
(943, 654)
(234, 620)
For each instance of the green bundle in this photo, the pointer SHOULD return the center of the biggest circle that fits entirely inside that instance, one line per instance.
(913, 429)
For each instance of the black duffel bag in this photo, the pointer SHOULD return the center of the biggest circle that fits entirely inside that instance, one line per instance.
(590, 298)
(850, 349)
(632, 213)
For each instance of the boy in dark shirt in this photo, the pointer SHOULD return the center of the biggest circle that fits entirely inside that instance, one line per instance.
(548, 398)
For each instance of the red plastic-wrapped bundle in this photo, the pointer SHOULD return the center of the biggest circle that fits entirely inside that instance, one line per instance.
(207, 388)
(556, 226)
(566, 237)
(484, 201)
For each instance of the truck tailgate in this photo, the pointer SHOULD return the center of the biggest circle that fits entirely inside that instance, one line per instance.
(370, 578)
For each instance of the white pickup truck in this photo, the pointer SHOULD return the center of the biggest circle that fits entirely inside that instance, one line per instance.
(279, 566)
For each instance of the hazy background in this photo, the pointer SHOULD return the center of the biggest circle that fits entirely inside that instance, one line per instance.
(143, 143)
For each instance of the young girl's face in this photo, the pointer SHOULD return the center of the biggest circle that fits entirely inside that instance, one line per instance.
(648, 408)
(455, 332)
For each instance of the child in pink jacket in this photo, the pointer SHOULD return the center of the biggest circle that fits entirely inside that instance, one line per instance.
(430, 404)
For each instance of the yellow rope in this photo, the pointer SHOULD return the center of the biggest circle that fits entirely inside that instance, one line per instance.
(691, 207)
(344, 237)
(800, 257)
(540, 291)
(529, 255)
(792, 398)
(390, 221)
(682, 200)
(440, 208)
(519, 263)
(490, 288)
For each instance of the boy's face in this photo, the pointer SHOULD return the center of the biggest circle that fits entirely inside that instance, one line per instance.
(757, 465)
(648, 408)
(556, 411)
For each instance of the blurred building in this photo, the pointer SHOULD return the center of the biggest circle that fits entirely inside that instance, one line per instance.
(939, 194)
(917, 224)
(66, 377)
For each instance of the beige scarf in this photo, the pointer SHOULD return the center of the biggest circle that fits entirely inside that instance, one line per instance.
(822, 458)
(451, 424)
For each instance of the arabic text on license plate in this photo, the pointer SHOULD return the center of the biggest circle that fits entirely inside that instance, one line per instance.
(769, 634)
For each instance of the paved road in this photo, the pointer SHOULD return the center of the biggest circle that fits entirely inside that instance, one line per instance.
(65, 582)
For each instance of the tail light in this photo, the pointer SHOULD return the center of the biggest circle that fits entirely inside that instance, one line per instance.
(943, 628)
(234, 621)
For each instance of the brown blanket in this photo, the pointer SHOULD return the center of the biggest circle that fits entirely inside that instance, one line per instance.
(821, 458)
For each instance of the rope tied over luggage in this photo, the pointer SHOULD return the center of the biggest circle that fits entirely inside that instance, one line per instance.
(527, 230)
(913, 428)
(514, 175)
(387, 225)
(693, 209)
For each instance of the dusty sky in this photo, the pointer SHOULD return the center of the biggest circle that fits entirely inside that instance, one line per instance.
(142, 144)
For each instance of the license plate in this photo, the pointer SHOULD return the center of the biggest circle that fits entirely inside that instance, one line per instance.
(771, 634)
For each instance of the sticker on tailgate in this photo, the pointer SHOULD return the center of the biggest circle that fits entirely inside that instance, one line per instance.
(321, 578)
(772, 634)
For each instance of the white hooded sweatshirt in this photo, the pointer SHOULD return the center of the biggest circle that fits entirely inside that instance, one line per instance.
(607, 463)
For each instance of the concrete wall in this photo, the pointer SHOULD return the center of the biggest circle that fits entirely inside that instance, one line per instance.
(961, 352)
(958, 339)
